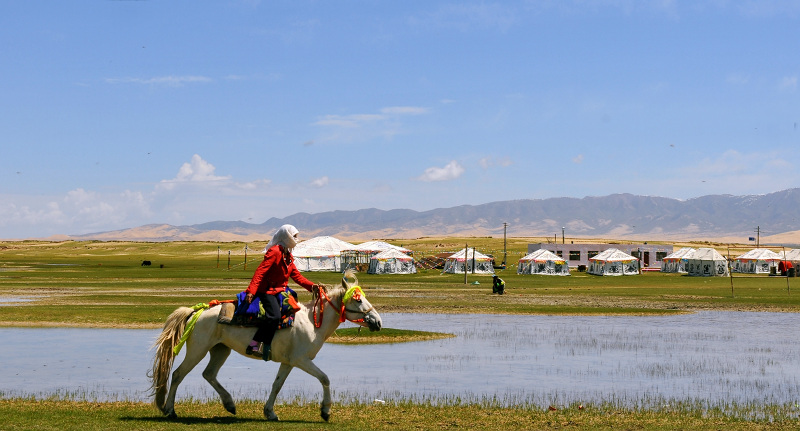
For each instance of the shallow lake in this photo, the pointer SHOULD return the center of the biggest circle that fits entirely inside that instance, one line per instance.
(711, 357)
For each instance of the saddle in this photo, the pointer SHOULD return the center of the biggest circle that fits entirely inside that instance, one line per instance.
(239, 313)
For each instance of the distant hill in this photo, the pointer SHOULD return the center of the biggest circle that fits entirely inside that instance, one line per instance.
(613, 216)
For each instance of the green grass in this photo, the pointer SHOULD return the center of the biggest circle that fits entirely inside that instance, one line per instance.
(28, 414)
(103, 284)
(387, 335)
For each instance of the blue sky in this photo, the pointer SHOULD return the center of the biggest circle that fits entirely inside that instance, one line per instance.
(117, 114)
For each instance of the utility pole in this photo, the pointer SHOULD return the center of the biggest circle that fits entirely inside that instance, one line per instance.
(466, 255)
(758, 236)
(562, 234)
(505, 244)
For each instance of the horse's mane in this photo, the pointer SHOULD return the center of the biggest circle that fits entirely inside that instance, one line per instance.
(337, 291)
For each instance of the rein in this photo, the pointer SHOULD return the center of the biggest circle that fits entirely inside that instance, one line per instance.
(354, 292)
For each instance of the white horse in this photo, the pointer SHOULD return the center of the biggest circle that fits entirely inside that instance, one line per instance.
(296, 346)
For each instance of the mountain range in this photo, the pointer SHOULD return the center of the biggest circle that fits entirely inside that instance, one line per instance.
(774, 215)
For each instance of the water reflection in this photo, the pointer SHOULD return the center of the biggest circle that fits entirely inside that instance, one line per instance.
(708, 356)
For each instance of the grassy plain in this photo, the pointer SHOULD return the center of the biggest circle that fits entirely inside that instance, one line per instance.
(27, 414)
(103, 284)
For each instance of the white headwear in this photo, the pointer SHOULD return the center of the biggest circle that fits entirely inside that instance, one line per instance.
(285, 236)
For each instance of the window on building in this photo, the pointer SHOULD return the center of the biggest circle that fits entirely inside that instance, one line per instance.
(635, 253)
(660, 255)
(559, 253)
(592, 253)
(575, 255)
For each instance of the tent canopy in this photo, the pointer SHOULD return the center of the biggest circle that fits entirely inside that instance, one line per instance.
(542, 255)
(461, 259)
(613, 262)
(377, 247)
(707, 262)
(684, 253)
(792, 255)
(613, 255)
(392, 262)
(676, 261)
(756, 261)
(322, 253)
(542, 262)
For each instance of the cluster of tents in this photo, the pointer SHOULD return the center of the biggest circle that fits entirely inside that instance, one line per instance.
(325, 253)
(708, 262)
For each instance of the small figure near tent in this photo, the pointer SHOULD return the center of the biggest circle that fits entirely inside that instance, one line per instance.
(498, 285)
(785, 267)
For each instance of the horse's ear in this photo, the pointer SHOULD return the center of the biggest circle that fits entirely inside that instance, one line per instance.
(349, 278)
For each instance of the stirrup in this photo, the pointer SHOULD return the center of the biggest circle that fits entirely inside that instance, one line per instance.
(257, 351)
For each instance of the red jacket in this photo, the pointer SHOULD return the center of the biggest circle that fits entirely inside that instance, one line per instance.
(272, 275)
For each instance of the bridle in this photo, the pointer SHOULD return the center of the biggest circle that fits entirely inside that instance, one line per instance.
(354, 292)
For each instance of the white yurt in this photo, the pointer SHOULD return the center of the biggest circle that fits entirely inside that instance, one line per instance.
(475, 261)
(322, 253)
(792, 255)
(542, 262)
(391, 262)
(707, 262)
(756, 261)
(613, 262)
(676, 261)
(362, 253)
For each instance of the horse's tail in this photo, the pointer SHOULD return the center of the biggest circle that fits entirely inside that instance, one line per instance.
(173, 329)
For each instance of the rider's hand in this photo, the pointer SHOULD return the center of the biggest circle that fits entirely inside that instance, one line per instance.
(248, 298)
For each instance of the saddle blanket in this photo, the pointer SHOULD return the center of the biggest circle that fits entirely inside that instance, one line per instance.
(239, 313)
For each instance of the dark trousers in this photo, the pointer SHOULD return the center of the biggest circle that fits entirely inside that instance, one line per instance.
(272, 310)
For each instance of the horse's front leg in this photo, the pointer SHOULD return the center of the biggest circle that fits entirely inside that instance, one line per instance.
(309, 367)
(280, 379)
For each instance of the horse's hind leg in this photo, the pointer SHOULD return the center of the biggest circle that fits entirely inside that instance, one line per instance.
(280, 379)
(194, 355)
(219, 354)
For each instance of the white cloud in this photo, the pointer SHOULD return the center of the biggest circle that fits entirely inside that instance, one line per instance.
(405, 110)
(350, 121)
(578, 159)
(173, 81)
(320, 182)
(358, 127)
(789, 83)
(195, 171)
(489, 162)
(737, 79)
(450, 171)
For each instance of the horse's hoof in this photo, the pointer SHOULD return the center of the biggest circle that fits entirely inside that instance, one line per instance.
(231, 410)
(325, 416)
(172, 415)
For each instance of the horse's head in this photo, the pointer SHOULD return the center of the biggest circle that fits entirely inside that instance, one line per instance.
(356, 307)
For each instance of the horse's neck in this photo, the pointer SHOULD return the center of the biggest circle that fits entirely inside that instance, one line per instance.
(328, 321)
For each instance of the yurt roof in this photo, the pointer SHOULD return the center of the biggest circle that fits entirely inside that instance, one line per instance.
(378, 246)
(613, 255)
(707, 254)
(683, 253)
(472, 253)
(321, 246)
(542, 255)
(760, 254)
(392, 254)
(793, 254)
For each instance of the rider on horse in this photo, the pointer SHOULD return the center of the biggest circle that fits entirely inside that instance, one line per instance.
(270, 279)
